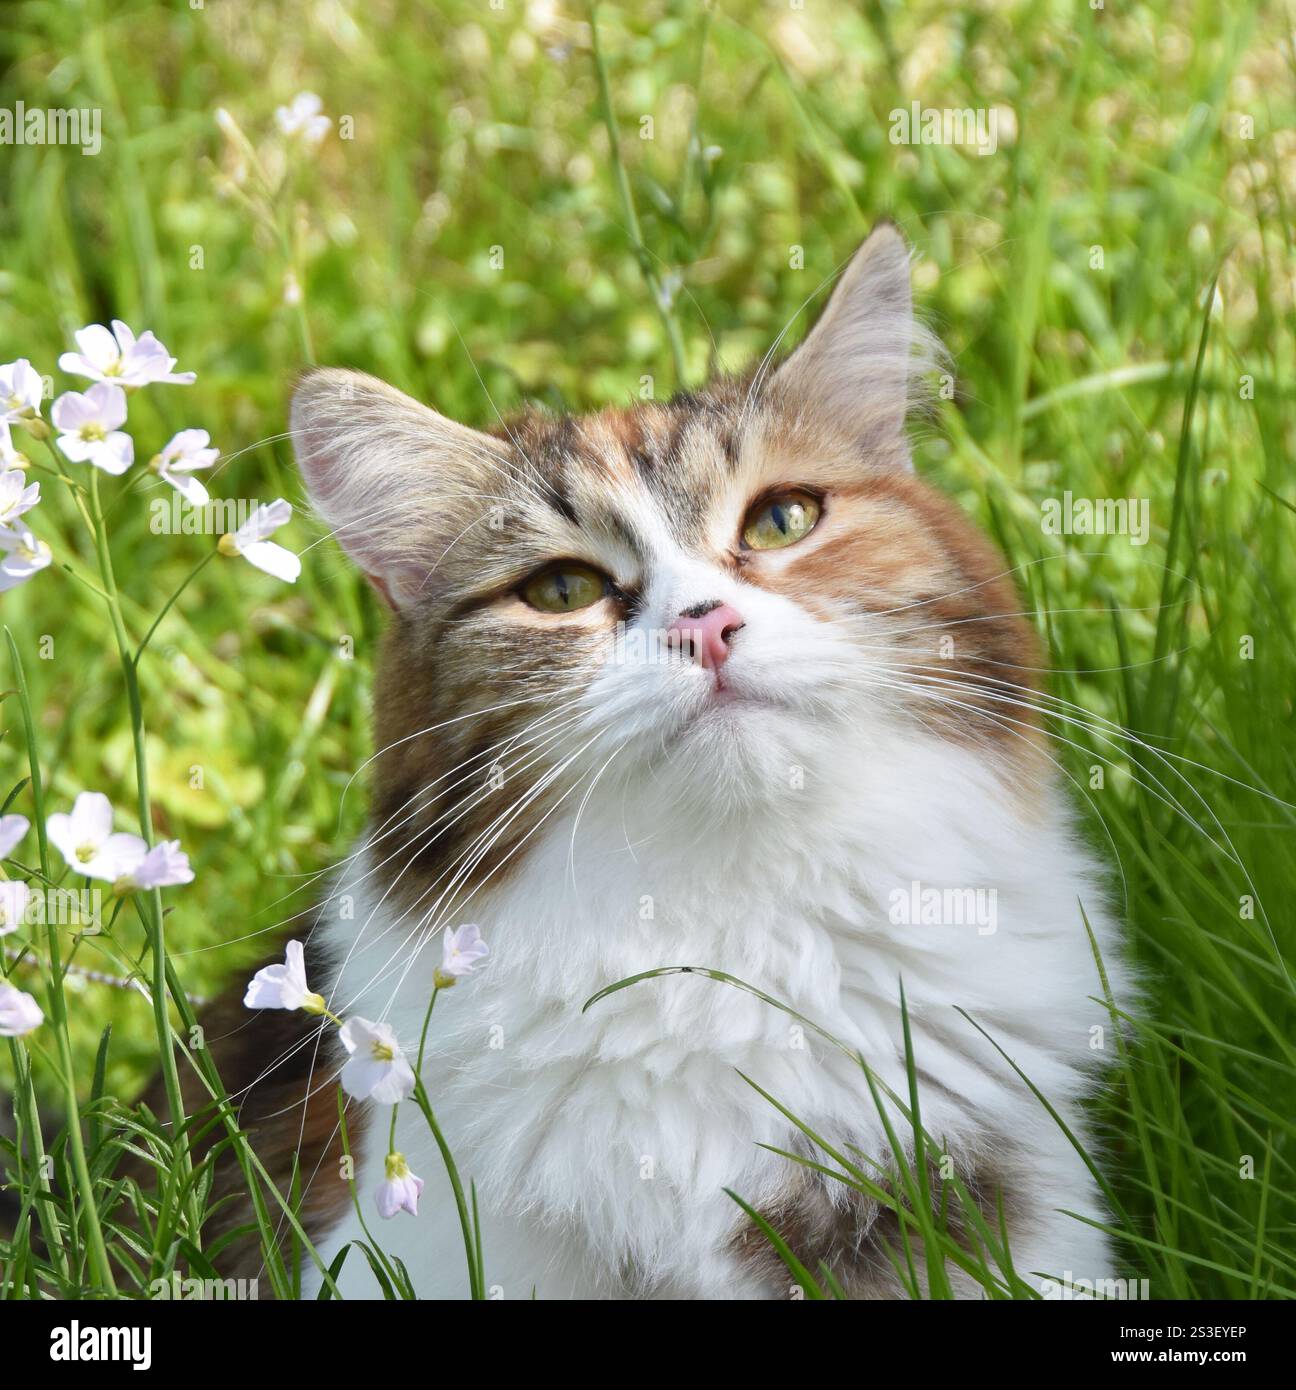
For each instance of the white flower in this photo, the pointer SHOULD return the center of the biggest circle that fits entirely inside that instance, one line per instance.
(12, 829)
(461, 950)
(250, 542)
(164, 866)
(21, 555)
(13, 905)
(89, 430)
(122, 357)
(283, 986)
(87, 841)
(9, 456)
(16, 495)
(302, 119)
(20, 391)
(184, 455)
(402, 1189)
(19, 1012)
(376, 1068)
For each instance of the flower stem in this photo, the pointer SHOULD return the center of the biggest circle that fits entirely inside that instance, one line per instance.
(150, 904)
(166, 607)
(476, 1280)
(58, 1004)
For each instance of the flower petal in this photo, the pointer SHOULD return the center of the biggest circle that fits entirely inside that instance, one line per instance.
(98, 348)
(273, 559)
(19, 1012)
(12, 830)
(188, 487)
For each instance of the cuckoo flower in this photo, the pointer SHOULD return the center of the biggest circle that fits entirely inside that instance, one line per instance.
(164, 866)
(19, 1012)
(88, 842)
(20, 391)
(376, 1069)
(89, 427)
(183, 456)
(13, 905)
(16, 496)
(10, 458)
(303, 119)
(283, 986)
(119, 356)
(401, 1190)
(460, 952)
(21, 555)
(250, 542)
(12, 829)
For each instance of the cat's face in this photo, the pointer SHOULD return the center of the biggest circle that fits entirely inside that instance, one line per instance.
(694, 592)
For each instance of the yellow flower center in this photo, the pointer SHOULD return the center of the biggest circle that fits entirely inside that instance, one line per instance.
(85, 853)
(92, 432)
(382, 1052)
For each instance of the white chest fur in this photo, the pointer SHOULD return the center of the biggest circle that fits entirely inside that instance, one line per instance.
(601, 1142)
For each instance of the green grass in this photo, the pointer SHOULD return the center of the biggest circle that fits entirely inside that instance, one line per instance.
(1068, 273)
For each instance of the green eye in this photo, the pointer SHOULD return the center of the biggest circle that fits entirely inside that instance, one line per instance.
(564, 589)
(781, 520)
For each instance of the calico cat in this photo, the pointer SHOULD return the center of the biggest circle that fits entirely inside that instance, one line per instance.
(711, 682)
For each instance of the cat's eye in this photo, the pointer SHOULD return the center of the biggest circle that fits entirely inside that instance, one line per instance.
(781, 520)
(564, 588)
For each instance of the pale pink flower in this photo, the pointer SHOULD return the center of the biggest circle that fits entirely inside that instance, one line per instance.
(303, 119)
(16, 496)
(14, 897)
(401, 1190)
(19, 1012)
(460, 952)
(283, 986)
(376, 1068)
(181, 458)
(10, 457)
(119, 356)
(164, 866)
(12, 829)
(89, 427)
(21, 556)
(21, 390)
(250, 541)
(87, 841)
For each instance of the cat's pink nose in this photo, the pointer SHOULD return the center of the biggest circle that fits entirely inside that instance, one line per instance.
(704, 632)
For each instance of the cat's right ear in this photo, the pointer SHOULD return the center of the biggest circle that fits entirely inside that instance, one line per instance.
(861, 362)
(392, 479)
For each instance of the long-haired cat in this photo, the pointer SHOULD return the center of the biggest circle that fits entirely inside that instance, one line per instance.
(713, 682)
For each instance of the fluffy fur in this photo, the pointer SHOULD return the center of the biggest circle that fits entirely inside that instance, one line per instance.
(599, 811)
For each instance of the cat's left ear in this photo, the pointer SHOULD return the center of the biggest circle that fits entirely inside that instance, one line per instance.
(859, 364)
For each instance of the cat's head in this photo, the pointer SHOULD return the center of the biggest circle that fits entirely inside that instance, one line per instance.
(701, 590)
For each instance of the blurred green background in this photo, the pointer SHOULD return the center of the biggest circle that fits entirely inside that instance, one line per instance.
(463, 232)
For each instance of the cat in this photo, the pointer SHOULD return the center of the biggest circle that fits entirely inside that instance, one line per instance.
(712, 682)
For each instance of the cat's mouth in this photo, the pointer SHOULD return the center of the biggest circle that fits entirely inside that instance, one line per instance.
(725, 695)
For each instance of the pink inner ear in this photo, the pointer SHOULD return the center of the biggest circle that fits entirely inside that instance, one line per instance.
(380, 584)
